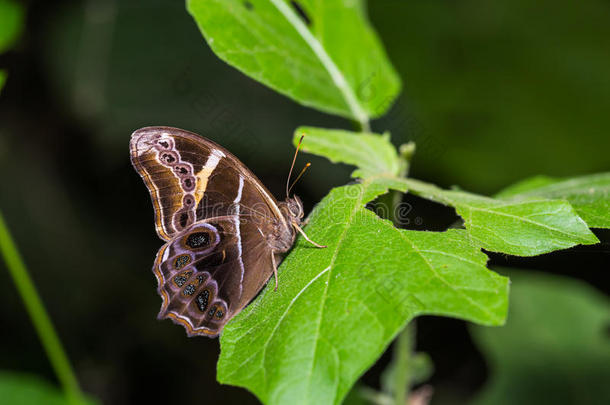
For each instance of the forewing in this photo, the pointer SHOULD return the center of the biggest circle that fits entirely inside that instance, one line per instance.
(191, 178)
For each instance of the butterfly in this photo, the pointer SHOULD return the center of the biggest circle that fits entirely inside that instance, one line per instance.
(224, 232)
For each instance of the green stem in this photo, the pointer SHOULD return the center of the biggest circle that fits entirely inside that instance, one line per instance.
(42, 323)
(360, 126)
(402, 360)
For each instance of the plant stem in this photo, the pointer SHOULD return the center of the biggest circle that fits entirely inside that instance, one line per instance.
(402, 359)
(38, 315)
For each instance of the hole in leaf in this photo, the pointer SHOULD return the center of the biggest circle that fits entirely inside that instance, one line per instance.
(301, 12)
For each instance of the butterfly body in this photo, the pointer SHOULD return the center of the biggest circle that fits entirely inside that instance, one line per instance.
(224, 231)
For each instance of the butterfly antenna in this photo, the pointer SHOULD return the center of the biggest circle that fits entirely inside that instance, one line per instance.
(294, 159)
(298, 177)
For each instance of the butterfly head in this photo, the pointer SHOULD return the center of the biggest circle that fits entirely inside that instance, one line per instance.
(293, 210)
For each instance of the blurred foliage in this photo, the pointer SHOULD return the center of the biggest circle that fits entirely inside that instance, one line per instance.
(498, 91)
(24, 389)
(38, 316)
(11, 23)
(406, 369)
(554, 348)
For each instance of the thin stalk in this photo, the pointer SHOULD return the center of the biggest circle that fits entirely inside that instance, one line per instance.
(402, 348)
(38, 315)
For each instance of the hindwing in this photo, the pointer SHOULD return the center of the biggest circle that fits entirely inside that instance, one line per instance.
(208, 273)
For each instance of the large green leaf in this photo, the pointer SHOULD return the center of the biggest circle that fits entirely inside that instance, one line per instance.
(338, 308)
(332, 60)
(373, 154)
(24, 389)
(589, 195)
(554, 348)
(521, 228)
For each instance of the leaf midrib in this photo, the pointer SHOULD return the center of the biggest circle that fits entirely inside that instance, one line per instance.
(336, 75)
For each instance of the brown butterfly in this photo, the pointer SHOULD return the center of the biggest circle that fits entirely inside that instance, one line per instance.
(225, 232)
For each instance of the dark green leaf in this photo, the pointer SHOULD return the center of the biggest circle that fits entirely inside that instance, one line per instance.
(334, 63)
(521, 228)
(554, 348)
(589, 195)
(338, 308)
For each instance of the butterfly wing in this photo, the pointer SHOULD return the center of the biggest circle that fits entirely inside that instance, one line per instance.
(191, 178)
(208, 273)
(217, 219)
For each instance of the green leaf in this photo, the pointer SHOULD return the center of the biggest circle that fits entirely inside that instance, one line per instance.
(521, 228)
(336, 63)
(337, 309)
(11, 22)
(554, 348)
(372, 153)
(589, 195)
(22, 389)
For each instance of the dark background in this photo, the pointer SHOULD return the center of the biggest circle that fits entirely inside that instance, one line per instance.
(493, 92)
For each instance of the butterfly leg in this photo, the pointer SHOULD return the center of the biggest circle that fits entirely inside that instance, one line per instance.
(274, 269)
(298, 228)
